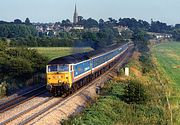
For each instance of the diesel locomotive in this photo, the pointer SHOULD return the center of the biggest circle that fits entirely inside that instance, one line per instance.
(73, 71)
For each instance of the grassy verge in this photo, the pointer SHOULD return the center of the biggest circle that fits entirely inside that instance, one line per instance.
(120, 104)
(168, 57)
(53, 52)
(168, 61)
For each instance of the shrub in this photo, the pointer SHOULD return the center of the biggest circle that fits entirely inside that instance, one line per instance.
(145, 58)
(19, 68)
(3, 89)
(18, 65)
(135, 93)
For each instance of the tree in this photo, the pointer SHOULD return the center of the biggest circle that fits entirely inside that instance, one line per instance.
(112, 22)
(11, 30)
(133, 24)
(27, 21)
(140, 39)
(159, 27)
(126, 34)
(66, 23)
(17, 21)
(80, 18)
(90, 23)
(177, 26)
(176, 34)
(101, 23)
(3, 45)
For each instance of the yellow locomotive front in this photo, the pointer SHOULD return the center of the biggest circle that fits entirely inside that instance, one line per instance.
(58, 78)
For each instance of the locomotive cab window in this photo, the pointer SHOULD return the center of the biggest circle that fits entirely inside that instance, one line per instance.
(63, 68)
(58, 68)
(53, 68)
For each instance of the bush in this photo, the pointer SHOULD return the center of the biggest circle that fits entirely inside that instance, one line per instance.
(135, 93)
(21, 63)
(3, 89)
(147, 65)
(19, 68)
(18, 65)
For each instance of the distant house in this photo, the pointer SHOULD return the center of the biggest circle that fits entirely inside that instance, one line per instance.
(121, 28)
(39, 28)
(93, 29)
(76, 27)
(67, 29)
(160, 36)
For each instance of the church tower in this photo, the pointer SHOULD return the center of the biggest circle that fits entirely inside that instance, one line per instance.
(75, 17)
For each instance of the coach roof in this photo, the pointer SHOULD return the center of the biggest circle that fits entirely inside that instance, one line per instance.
(78, 57)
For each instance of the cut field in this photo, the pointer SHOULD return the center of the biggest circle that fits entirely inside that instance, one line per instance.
(53, 52)
(168, 57)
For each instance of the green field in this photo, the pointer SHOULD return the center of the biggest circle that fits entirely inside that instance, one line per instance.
(53, 52)
(168, 57)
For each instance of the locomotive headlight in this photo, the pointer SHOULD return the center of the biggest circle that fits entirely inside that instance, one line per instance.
(66, 76)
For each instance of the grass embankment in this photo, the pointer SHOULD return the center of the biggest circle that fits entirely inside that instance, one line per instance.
(53, 52)
(168, 59)
(138, 99)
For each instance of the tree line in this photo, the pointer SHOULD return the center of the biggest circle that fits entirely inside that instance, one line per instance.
(131, 23)
(20, 63)
(104, 37)
(25, 34)
(17, 29)
(17, 65)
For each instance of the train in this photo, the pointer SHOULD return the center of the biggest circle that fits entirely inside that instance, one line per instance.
(65, 74)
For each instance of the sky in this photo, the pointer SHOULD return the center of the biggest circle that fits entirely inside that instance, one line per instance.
(167, 11)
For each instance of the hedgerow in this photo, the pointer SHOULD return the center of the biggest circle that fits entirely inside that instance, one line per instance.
(17, 65)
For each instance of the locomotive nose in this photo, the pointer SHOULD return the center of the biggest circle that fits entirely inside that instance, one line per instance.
(56, 79)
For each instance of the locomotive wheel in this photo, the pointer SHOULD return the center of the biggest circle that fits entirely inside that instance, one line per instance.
(55, 94)
(59, 93)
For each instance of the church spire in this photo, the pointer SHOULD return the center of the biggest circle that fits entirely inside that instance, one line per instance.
(75, 17)
(75, 12)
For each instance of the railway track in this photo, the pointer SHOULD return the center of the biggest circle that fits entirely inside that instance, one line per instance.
(25, 111)
(32, 113)
(32, 116)
(36, 113)
(22, 98)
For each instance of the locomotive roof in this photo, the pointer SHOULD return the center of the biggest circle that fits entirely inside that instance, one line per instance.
(78, 57)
